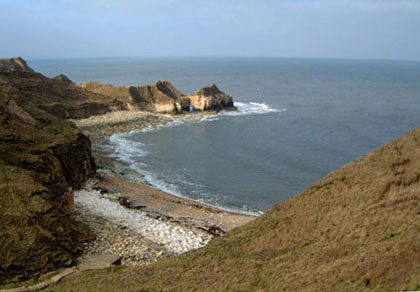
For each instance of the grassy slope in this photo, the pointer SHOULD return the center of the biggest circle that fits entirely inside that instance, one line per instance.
(357, 229)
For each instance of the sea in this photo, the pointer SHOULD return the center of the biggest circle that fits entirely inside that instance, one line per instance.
(297, 121)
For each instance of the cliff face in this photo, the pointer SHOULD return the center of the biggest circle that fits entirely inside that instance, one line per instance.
(42, 157)
(14, 64)
(356, 229)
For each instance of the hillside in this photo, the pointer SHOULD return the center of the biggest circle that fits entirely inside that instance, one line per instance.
(357, 229)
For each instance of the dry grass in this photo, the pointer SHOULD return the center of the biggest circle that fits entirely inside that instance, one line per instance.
(357, 229)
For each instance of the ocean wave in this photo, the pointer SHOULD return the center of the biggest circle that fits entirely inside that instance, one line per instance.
(161, 184)
(175, 122)
(124, 149)
(243, 109)
(252, 108)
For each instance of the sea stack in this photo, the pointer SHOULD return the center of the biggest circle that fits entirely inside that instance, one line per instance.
(210, 98)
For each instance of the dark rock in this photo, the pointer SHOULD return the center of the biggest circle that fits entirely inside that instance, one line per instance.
(157, 215)
(63, 78)
(131, 203)
(102, 190)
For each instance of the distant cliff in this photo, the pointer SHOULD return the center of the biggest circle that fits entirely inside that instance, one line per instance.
(163, 97)
(160, 97)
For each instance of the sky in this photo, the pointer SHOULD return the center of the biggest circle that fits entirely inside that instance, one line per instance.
(361, 29)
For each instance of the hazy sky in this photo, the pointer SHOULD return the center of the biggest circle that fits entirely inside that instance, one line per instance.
(381, 29)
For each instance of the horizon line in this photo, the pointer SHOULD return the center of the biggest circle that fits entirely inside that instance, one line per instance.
(33, 58)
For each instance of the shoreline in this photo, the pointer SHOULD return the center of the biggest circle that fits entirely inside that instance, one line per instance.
(172, 224)
(100, 128)
(151, 199)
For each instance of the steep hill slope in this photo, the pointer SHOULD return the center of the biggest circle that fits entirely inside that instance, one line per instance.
(357, 229)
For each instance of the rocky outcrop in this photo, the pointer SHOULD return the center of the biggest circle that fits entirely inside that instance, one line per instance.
(160, 97)
(63, 78)
(210, 98)
(14, 64)
(42, 158)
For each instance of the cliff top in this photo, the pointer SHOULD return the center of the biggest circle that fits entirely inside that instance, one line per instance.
(14, 64)
(211, 90)
(63, 78)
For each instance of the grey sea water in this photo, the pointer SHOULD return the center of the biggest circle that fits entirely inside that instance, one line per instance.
(298, 120)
